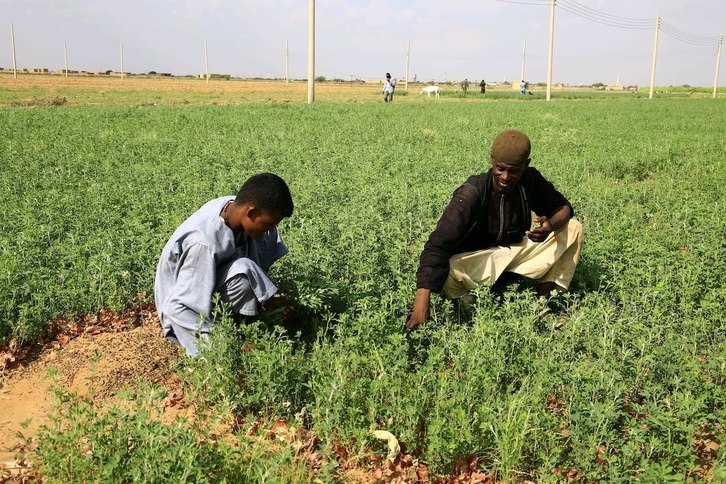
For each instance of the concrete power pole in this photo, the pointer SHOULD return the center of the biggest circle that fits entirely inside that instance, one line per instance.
(121, 49)
(552, 43)
(524, 49)
(65, 57)
(655, 56)
(12, 42)
(718, 64)
(287, 65)
(408, 53)
(206, 62)
(311, 53)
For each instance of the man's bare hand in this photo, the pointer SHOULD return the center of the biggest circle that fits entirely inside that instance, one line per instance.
(420, 310)
(278, 301)
(539, 234)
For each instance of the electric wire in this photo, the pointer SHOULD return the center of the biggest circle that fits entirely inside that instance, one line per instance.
(583, 11)
(602, 14)
(603, 18)
(687, 38)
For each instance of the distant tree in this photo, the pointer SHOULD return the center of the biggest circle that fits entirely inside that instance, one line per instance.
(108, 72)
(320, 79)
(597, 84)
(152, 73)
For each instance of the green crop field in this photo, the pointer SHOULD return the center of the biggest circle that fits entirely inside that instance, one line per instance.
(626, 383)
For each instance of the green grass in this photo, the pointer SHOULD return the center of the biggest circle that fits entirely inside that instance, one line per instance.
(91, 194)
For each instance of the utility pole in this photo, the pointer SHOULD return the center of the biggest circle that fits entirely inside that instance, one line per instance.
(287, 64)
(206, 62)
(12, 42)
(524, 49)
(121, 47)
(65, 57)
(552, 43)
(718, 64)
(311, 53)
(408, 53)
(655, 56)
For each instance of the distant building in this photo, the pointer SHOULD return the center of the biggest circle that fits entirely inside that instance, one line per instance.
(214, 76)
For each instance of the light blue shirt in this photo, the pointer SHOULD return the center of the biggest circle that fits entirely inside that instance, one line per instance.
(198, 259)
(390, 85)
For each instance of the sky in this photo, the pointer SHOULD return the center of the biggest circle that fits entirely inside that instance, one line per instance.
(604, 41)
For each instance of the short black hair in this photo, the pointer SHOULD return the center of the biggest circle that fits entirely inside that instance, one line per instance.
(267, 192)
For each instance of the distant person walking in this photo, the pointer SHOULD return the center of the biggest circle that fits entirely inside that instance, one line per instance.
(465, 85)
(523, 88)
(388, 88)
(483, 85)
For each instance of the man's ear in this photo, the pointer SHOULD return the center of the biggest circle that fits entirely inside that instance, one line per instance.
(527, 164)
(250, 212)
(253, 212)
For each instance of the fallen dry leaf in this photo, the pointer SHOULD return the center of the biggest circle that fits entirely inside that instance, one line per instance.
(601, 451)
(466, 465)
(393, 447)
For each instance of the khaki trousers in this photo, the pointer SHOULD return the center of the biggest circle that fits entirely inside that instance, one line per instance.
(553, 260)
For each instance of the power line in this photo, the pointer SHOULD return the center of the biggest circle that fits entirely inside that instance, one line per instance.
(595, 16)
(687, 38)
(585, 8)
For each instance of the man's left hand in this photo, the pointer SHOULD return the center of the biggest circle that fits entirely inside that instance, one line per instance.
(539, 234)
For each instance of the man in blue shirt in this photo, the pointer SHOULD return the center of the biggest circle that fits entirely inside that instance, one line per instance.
(225, 247)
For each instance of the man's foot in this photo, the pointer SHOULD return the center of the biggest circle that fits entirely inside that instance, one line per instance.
(545, 310)
(544, 289)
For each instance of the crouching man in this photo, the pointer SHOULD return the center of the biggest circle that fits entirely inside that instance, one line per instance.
(487, 230)
(225, 247)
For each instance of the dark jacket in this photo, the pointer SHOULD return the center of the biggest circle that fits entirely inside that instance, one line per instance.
(478, 218)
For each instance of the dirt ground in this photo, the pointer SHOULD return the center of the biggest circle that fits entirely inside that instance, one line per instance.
(126, 357)
(30, 90)
(175, 84)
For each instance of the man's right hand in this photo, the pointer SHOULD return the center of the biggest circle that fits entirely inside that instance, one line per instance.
(277, 301)
(420, 310)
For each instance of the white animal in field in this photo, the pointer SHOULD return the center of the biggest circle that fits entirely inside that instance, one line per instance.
(429, 89)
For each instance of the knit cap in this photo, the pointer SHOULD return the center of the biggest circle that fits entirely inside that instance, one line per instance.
(511, 147)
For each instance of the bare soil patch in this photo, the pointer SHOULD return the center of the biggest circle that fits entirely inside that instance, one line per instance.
(127, 357)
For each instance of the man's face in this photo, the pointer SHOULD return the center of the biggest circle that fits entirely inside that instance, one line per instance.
(257, 223)
(505, 176)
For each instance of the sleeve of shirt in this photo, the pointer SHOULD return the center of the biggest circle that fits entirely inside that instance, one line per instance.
(546, 198)
(191, 295)
(270, 248)
(450, 230)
